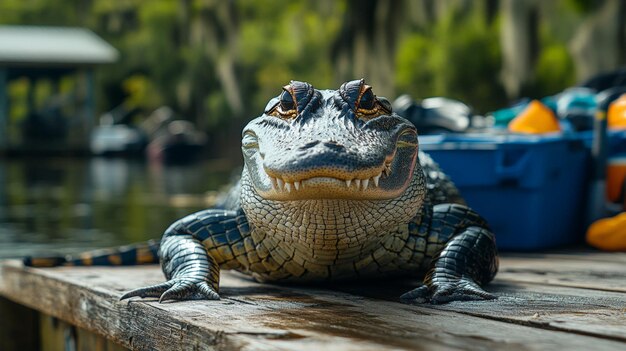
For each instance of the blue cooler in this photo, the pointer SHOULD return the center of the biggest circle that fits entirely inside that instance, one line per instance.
(531, 189)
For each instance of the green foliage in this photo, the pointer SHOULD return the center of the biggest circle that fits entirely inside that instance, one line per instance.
(218, 105)
(293, 45)
(183, 53)
(582, 6)
(18, 89)
(554, 70)
(147, 50)
(458, 57)
(43, 90)
(141, 92)
(41, 12)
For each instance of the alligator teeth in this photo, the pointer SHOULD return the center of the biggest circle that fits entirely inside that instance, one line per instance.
(376, 178)
(360, 184)
(365, 183)
(387, 169)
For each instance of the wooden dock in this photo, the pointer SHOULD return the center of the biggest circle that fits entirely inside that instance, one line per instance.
(559, 301)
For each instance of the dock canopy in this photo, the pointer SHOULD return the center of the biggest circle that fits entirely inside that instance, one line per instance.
(53, 46)
(60, 60)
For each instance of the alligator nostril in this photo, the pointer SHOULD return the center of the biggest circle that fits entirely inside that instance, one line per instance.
(331, 144)
(321, 145)
(309, 145)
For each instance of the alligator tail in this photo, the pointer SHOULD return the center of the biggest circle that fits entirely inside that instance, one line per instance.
(134, 254)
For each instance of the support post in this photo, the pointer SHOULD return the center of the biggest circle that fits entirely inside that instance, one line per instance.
(4, 109)
(89, 106)
(19, 327)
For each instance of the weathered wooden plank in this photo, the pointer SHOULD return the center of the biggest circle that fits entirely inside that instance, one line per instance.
(580, 311)
(576, 255)
(605, 274)
(255, 316)
(544, 290)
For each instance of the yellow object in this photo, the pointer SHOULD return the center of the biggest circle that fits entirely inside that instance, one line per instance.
(536, 118)
(608, 233)
(616, 115)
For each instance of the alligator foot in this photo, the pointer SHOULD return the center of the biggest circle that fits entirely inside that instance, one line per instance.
(176, 289)
(462, 289)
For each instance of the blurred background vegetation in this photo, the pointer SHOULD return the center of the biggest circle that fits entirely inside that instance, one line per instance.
(217, 62)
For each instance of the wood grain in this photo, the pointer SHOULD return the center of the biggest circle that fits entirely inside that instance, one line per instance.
(578, 254)
(596, 274)
(251, 316)
(583, 312)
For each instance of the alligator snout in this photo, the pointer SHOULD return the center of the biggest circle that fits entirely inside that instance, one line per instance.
(323, 159)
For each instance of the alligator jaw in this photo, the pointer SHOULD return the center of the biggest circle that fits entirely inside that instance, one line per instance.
(373, 185)
(358, 184)
(278, 184)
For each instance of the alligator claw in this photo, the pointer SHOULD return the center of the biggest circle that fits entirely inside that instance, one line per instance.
(417, 295)
(463, 289)
(176, 289)
(148, 291)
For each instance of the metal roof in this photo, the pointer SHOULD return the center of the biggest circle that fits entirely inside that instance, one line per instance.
(53, 46)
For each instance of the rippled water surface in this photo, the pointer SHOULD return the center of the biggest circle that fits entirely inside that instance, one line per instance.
(67, 205)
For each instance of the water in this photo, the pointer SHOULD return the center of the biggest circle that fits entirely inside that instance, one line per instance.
(52, 206)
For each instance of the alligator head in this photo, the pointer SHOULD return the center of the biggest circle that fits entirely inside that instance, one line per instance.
(330, 144)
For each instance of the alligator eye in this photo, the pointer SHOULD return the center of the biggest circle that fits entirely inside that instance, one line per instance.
(286, 101)
(369, 106)
(286, 107)
(367, 100)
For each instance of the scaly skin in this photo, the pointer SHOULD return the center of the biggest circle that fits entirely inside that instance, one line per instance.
(333, 188)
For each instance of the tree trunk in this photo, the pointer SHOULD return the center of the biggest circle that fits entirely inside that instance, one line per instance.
(519, 41)
(367, 43)
(598, 44)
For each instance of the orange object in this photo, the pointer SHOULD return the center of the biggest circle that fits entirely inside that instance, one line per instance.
(615, 174)
(616, 115)
(608, 233)
(536, 118)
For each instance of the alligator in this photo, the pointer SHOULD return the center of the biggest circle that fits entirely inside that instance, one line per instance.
(333, 188)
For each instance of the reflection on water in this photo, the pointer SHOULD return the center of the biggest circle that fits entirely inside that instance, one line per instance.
(69, 205)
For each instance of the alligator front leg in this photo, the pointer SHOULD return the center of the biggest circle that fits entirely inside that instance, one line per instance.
(191, 252)
(467, 258)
